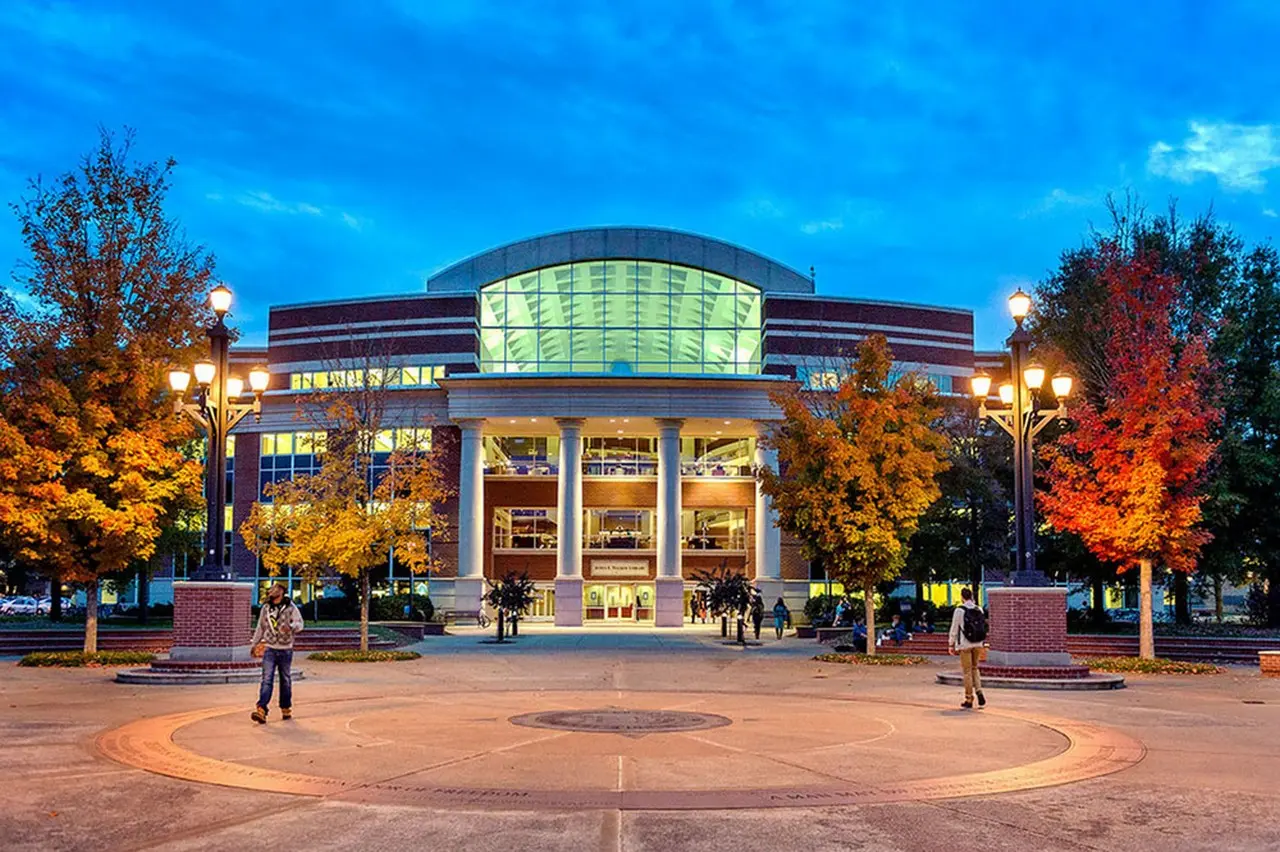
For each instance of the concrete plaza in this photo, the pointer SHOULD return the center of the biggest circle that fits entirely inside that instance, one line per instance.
(481, 747)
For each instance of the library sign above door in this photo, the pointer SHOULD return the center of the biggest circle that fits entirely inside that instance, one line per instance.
(619, 568)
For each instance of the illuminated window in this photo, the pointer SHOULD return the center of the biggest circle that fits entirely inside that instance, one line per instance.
(394, 377)
(508, 455)
(524, 529)
(620, 456)
(713, 529)
(618, 529)
(717, 456)
(286, 455)
(620, 317)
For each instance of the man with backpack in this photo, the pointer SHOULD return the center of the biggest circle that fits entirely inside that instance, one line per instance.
(968, 632)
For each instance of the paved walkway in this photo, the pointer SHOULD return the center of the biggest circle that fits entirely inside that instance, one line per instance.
(636, 740)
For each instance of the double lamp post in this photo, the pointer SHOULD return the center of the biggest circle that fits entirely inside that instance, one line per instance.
(1023, 418)
(217, 405)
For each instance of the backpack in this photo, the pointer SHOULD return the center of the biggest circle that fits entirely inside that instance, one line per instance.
(974, 627)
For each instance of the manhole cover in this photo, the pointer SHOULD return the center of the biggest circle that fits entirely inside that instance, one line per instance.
(617, 721)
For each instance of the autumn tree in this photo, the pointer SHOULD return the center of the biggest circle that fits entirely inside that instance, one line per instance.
(1128, 478)
(90, 463)
(858, 467)
(376, 495)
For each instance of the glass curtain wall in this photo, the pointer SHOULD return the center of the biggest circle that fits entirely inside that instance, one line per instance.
(713, 529)
(620, 317)
(717, 456)
(521, 456)
(619, 529)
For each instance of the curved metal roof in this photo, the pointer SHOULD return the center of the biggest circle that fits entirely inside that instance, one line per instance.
(657, 244)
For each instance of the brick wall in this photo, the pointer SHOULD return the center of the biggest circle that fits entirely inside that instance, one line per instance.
(212, 615)
(1027, 620)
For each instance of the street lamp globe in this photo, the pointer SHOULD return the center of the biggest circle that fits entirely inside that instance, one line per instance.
(220, 299)
(1006, 393)
(1034, 376)
(981, 384)
(1019, 305)
(205, 370)
(1062, 385)
(259, 378)
(235, 386)
(179, 381)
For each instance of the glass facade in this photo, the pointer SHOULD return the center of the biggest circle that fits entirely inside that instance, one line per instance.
(525, 529)
(815, 378)
(286, 455)
(620, 456)
(717, 456)
(521, 455)
(394, 377)
(620, 317)
(713, 529)
(619, 529)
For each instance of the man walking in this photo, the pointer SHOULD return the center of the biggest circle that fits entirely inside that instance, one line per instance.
(968, 631)
(278, 622)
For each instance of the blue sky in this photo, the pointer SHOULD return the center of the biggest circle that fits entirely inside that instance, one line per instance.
(937, 152)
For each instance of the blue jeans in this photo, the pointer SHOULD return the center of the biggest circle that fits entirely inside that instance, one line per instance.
(273, 661)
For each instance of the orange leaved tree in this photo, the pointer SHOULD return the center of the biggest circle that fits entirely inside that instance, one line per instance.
(1128, 477)
(857, 467)
(91, 459)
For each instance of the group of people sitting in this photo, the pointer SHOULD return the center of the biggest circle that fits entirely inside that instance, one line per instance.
(898, 631)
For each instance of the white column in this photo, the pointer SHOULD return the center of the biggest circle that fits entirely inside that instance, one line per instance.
(768, 550)
(669, 608)
(469, 587)
(569, 524)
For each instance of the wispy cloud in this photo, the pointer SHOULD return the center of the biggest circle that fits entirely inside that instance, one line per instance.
(268, 203)
(1237, 155)
(822, 226)
(1269, 213)
(1058, 199)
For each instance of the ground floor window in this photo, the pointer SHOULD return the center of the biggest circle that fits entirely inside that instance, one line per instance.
(714, 529)
(619, 529)
(524, 529)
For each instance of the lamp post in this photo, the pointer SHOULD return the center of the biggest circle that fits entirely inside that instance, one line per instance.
(1022, 417)
(217, 405)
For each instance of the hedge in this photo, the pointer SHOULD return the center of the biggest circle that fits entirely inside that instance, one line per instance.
(363, 656)
(77, 659)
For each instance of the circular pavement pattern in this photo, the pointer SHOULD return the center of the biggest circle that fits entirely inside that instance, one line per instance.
(628, 750)
(631, 723)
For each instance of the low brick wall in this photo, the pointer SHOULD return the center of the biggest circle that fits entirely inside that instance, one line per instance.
(1269, 662)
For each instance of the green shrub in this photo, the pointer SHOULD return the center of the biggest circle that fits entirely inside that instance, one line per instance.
(363, 656)
(1134, 665)
(391, 608)
(869, 660)
(78, 659)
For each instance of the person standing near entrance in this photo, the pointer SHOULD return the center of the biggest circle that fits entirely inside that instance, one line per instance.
(757, 613)
(781, 615)
(278, 622)
(968, 632)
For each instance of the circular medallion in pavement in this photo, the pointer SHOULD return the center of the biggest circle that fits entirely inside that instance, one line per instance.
(614, 720)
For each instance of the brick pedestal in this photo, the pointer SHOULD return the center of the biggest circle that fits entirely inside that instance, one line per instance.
(212, 621)
(1027, 629)
(1269, 663)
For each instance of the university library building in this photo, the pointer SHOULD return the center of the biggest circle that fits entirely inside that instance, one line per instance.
(597, 396)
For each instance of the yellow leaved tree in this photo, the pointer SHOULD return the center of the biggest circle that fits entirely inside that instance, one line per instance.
(376, 495)
(858, 466)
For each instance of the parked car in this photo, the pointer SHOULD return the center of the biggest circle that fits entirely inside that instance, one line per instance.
(21, 606)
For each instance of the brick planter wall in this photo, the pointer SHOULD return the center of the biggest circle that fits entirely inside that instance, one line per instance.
(212, 621)
(1027, 627)
(1269, 662)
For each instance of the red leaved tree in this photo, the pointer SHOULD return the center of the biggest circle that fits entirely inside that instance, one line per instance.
(1128, 477)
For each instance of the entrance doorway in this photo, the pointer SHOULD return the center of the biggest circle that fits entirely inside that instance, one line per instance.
(618, 603)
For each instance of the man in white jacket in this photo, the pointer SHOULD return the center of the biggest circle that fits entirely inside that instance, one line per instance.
(968, 648)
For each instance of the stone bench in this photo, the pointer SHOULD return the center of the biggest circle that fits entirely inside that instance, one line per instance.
(1269, 663)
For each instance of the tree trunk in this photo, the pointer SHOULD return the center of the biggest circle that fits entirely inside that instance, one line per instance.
(869, 609)
(364, 609)
(144, 596)
(1099, 600)
(1146, 633)
(90, 616)
(501, 625)
(1181, 598)
(1217, 599)
(55, 597)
